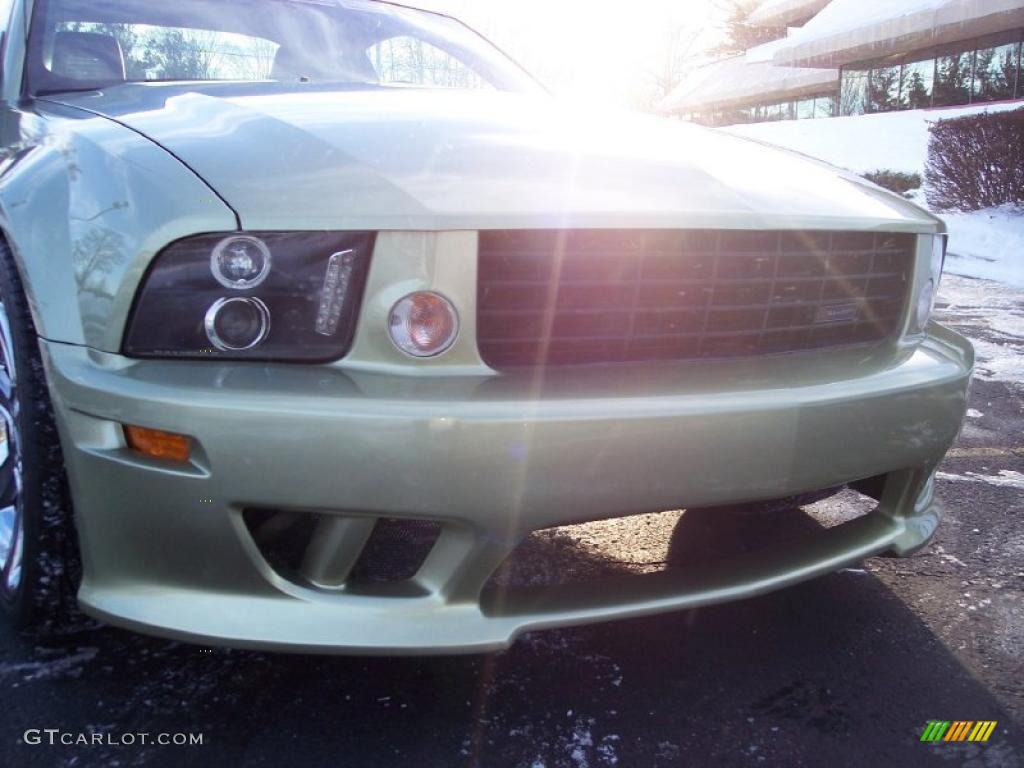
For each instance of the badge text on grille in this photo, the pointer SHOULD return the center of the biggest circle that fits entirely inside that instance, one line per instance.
(836, 313)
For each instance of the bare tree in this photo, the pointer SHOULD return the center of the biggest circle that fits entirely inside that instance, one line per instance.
(678, 52)
(255, 60)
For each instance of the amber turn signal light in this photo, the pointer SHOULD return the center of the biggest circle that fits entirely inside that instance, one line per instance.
(158, 445)
(423, 324)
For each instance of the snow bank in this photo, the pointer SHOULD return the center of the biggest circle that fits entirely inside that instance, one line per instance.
(846, 15)
(987, 244)
(896, 141)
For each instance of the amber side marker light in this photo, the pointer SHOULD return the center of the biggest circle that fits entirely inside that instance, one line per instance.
(158, 445)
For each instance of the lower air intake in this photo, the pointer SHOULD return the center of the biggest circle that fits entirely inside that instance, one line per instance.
(395, 551)
(334, 552)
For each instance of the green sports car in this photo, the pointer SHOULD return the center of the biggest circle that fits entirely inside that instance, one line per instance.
(313, 311)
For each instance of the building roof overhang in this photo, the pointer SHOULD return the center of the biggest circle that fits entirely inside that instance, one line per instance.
(849, 31)
(739, 82)
(784, 13)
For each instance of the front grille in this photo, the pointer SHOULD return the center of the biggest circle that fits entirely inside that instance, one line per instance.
(606, 296)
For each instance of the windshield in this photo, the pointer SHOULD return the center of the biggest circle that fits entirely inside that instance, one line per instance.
(85, 44)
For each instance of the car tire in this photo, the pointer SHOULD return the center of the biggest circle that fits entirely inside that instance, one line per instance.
(39, 563)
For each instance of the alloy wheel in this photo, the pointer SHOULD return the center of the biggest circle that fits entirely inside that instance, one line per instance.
(12, 533)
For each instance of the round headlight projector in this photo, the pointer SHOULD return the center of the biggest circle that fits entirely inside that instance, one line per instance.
(240, 262)
(237, 324)
(423, 324)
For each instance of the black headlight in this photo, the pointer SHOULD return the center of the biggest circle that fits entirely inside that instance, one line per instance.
(252, 296)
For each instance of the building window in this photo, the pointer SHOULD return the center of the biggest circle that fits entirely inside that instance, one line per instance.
(975, 71)
(853, 92)
(953, 79)
(918, 84)
(815, 106)
(734, 116)
(805, 109)
(986, 69)
(884, 89)
(995, 72)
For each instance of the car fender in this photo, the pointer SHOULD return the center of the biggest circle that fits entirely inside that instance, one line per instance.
(85, 205)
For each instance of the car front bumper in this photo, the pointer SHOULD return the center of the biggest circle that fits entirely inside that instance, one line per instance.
(166, 551)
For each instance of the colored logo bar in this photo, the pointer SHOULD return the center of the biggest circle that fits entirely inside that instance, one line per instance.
(958, 730)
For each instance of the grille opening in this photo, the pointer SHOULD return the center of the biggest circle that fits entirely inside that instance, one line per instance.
(282, 538)
(395, 551)
(652, 543)
(392, 554)
(603, 296)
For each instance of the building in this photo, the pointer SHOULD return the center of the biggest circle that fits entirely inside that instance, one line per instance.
(750, 89)
(881, 55)
(786, 13)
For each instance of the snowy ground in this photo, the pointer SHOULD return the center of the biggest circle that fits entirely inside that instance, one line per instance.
(896, 141)
(992, 315)
(987, 244)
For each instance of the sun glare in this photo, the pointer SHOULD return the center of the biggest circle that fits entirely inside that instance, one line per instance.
(605, 52)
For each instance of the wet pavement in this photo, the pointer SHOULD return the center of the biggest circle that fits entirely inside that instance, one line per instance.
(844, 670)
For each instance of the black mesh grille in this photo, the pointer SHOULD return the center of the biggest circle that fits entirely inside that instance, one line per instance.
(395, 551)
(605, 296)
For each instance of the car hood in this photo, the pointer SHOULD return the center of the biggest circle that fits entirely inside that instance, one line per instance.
(431, 160)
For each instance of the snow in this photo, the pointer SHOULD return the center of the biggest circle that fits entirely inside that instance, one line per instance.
(988, 310)
(987, 244)
(765, 51)
(1006, 478)
(896, 141)
(992, 316)
(846, 15)
(741, 79)
(775, 12)
(64, 666)
(999, 361)
(848, 25)
(579, 746)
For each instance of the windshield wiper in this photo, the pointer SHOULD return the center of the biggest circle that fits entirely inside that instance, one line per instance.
(58, 91)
